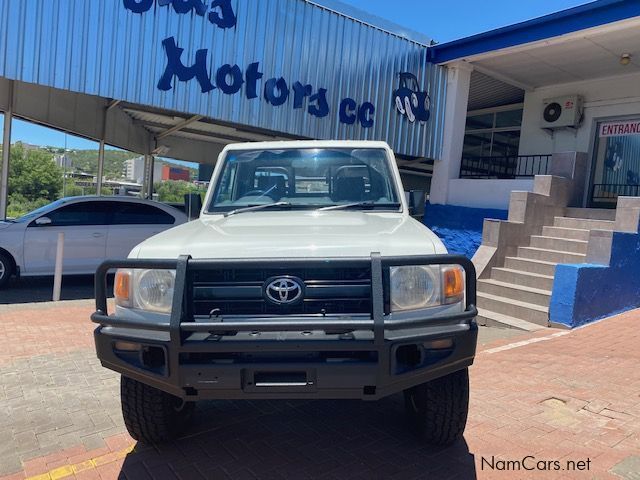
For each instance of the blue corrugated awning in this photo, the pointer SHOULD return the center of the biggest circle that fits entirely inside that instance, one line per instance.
(591, 15)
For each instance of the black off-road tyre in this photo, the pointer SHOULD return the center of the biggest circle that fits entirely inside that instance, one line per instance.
(151, 415)
(437, 410)
(6, 269)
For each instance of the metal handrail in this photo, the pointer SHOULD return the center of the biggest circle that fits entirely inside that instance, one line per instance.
(606, 192)
(505, 167)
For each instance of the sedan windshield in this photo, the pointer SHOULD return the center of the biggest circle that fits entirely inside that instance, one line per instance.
(311, 178)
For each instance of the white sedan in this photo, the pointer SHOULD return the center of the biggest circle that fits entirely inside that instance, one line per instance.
(95, 228)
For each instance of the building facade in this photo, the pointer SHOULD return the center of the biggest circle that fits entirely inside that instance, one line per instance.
(566, 82)
(465, 118)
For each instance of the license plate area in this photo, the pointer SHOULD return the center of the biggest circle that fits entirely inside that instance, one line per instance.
(279, 380)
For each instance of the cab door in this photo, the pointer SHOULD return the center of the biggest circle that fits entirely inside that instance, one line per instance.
(85, 228)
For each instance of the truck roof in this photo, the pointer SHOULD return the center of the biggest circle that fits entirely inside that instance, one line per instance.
(307, 144)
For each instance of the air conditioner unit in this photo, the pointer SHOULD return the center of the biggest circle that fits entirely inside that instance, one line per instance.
(562, 112)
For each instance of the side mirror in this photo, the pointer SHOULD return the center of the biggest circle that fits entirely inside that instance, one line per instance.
(417, 202)
(43, 221)
(193, 205)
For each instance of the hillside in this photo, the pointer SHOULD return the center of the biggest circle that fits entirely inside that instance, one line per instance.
(86, 161)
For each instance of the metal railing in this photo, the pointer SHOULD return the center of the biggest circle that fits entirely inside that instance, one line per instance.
(606, 194)
(505, 168)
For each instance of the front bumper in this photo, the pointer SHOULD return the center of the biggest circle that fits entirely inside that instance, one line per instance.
(360, 356)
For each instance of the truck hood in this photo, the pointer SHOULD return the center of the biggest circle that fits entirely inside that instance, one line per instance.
(294, 234)
(4, 225)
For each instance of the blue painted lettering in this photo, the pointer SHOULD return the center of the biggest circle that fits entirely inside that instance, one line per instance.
(269, 91)
(223, 74)
(222, 14)
(253, 75)
(321, 109)
(176, 68)
(348, 108)
(365, 114)
(185, 6)
(138, 6)
(300, 91)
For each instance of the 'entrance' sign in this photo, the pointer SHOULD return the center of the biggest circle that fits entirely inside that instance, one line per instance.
(620, 129)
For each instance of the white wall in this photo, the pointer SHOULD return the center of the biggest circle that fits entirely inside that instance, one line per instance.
(485, 193)
(448, 167)
(604, 98)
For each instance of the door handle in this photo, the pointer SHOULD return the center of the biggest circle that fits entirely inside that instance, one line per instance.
(98, 235)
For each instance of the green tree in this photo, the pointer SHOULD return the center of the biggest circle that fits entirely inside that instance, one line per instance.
(173, 191)
(33, 176)
(18, 205)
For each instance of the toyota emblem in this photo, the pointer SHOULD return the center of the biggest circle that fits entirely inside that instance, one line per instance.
(284, 290)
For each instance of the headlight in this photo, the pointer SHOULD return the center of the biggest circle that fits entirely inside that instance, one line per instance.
(150, 290)
(424, 286)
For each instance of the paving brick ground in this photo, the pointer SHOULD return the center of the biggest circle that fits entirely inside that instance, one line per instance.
(550, 396)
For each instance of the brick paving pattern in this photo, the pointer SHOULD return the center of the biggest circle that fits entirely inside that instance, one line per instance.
(556, 396)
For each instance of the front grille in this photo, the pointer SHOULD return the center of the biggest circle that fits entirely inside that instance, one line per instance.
(239, 291)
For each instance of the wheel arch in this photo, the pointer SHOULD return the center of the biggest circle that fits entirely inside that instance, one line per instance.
(14, 264)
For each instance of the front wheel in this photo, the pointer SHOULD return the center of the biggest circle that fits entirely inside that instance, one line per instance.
(6, 270)
(151, 415)
(437, 410)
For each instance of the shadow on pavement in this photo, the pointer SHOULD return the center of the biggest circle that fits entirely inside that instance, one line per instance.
(40, 289)
(300, 439)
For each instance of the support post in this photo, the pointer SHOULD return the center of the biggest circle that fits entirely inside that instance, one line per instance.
(6, 155)
(111, 105)
(448, 167)
(57, 278)
(147, 187)
(100, 165)
(152, 167)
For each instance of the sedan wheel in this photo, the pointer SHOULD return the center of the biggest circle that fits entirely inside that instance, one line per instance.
(5, 270)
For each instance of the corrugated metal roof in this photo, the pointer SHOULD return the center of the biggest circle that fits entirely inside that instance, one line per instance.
(486, 92)
(100, 48)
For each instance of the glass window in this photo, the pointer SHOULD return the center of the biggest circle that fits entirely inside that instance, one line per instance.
(505, 144)
(477, 145)
(305, 178)
(479, 122)
(495, 134)
(510, 118)
(80, 214)
(129, 213)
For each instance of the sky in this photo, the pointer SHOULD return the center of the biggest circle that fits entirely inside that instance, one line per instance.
(446, 20)
(26, 132)
(442, 20)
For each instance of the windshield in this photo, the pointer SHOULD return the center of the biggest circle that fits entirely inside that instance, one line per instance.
(40, 211)
(305, 179)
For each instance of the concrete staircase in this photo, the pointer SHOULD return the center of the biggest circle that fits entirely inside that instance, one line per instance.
(517, 294)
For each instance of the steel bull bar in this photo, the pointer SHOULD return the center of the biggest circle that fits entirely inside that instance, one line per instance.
(184, 333)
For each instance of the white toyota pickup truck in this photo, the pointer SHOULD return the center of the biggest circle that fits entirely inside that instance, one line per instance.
(304, 277)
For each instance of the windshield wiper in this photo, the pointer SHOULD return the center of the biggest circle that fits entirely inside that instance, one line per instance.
(358, 205)
(255, 208)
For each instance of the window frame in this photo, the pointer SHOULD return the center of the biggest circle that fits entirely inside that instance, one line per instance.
(210, 209)
(114, 212)
(493, 130)
(48, 214)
